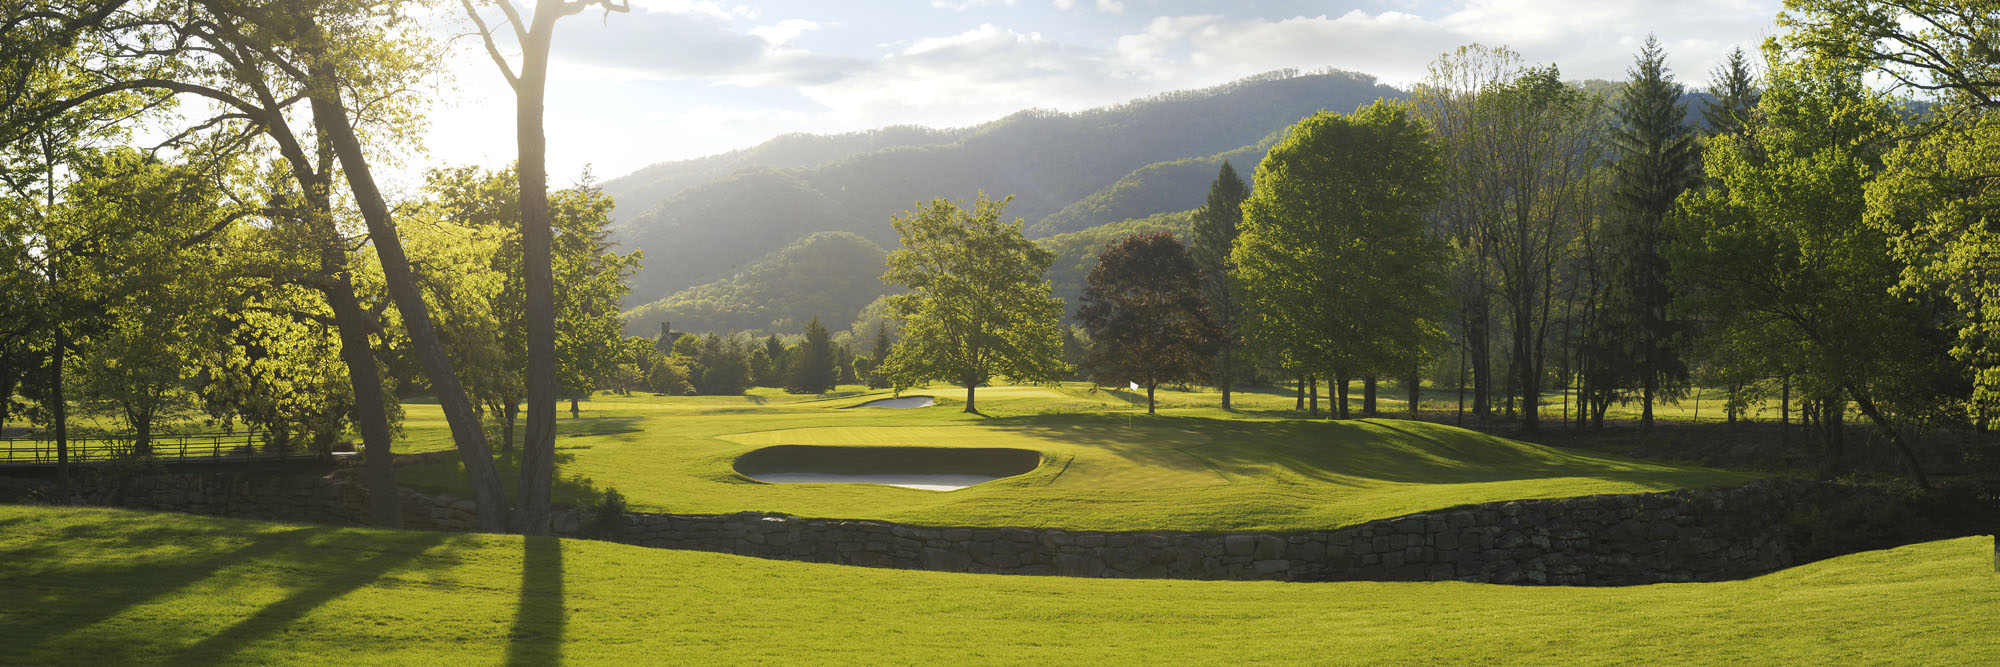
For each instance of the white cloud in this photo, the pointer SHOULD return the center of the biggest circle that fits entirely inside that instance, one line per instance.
(963, 5)
(779, 33)
(698, 76)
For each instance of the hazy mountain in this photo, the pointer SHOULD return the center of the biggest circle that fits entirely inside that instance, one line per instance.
(1178, 185)
(831, 275)
(643, 189)
(708, 227)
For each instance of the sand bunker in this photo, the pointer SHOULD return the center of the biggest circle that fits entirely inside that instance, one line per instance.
(899, 403)
(927, 468)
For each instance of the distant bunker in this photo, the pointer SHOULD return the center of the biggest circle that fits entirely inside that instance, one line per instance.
(926, 468)
(899, 403)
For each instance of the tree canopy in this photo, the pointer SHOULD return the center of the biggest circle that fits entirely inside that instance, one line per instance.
(978, 306)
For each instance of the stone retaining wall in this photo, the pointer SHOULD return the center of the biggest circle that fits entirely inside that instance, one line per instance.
(1686, 535)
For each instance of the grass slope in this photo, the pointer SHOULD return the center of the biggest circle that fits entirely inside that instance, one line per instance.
(1104, 468)
(96, 586)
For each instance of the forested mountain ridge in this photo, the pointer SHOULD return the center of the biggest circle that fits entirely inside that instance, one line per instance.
(1047, 160)
(829, 275)
(641, 190)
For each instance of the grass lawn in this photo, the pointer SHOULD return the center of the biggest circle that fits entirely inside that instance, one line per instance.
(1106, 464)
(98, 586)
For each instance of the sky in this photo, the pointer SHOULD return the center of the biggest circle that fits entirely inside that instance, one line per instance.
(676, 79)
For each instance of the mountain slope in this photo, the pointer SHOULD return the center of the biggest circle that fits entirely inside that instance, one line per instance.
(641, 190)
(1047, 160)
(1177, 185)
(831, 275)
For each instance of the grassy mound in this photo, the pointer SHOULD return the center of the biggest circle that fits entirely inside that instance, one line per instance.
(95, 586)
(1104, 467)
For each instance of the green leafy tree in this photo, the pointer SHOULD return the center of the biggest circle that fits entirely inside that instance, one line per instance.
(1338, 269)
(1937, 195)
(1146, 315)
(1215, 230)
(1774, 253)
(813, 370)
(978, 306)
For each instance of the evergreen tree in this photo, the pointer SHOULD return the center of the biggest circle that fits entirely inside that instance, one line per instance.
(1655, 163)
(813, 372)
(1215, 228)
(877, 354)
(1733, 92)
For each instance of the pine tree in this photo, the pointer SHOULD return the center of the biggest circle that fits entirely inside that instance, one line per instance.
(880, 352)
(1733, 92)
(1655, 163)
(814, 371)
(1215, 229)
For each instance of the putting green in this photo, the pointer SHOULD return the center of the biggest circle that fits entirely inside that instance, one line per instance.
(1106, 465)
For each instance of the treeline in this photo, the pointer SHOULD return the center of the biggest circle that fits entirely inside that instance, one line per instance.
(161, 294)
(713, 364)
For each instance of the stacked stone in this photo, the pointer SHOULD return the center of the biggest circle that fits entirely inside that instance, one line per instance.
(1687, 535)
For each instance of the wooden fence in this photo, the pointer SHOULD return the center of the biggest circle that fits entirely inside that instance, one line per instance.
(41, 450)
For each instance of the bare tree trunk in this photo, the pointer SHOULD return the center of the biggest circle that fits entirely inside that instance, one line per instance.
(60, 405)
(1312, 396)
(1340, 388)
(1149, 397)
(969, 386)
(384, 504)
(1785, 413)
(1416, 389)
(1646, 413)
(1299, 395)
(538, 449)
(1482, 366)
(1228, 373)
(1368, 396)
(330, 115)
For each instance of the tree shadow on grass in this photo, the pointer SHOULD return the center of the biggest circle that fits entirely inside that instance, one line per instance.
(83, 596)
(540, 617)
(74, 597)
(335, 578)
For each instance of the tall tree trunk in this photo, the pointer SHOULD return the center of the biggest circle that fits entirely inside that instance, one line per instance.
(1482, 366)
(384, 504)
(1149, 397)
(1312, 396)
(1368, 396)
(60, 405)
(538, 449)
(1299, 395)
(330, 115)
(1461, 380)
(1416, 389)
(1646, 413)
(1785, 413)
(969, 385)
(1340, 403)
